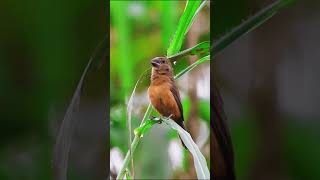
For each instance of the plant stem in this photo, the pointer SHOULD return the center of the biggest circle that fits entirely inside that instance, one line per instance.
(128, 157)
(134, 144)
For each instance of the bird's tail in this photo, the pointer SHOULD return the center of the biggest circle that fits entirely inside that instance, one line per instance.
(185, 147)
(182, 125)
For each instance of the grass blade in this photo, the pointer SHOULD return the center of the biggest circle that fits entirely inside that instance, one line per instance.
(200, 163)
(129, 112)
(195, 64)
(64, 138)
(201, 48)
(249, 25)
(190, 12)
(142, 129)
(134, 144)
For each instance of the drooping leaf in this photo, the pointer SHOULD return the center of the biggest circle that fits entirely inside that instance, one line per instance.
(200, 163)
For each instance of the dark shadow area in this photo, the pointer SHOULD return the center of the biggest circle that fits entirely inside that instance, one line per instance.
(44, 48)
(269, 81)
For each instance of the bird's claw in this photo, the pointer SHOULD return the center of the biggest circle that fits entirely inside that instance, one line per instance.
(153, 118)
(156, 119)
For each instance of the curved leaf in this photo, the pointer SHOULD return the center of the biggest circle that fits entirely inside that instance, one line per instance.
(201, 48)
(249, 25)
(64, 138)
(195, 64)
(190, 12)
(200, 163)
(140, 131)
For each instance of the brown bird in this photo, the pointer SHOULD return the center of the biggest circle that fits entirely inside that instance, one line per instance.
(163, 93)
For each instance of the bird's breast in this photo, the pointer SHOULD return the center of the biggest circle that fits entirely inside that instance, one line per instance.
(163, 101)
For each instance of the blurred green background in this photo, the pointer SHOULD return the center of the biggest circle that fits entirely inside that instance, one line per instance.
(44, 47)
(270, 86)
(140, 31)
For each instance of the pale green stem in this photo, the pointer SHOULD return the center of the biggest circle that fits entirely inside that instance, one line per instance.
(134, 144)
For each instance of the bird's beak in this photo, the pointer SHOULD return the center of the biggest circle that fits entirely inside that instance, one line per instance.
(155, 64)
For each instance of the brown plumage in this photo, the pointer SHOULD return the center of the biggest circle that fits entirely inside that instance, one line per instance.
(163, 93)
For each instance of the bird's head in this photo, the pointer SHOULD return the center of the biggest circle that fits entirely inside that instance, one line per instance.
(161, 66)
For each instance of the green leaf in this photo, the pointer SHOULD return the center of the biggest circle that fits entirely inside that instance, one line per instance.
(134, 144)
(195, 64)
(201, 48)
(249, 25)
(190, 12)
(128, 174)
(140, 131)
(200, 163)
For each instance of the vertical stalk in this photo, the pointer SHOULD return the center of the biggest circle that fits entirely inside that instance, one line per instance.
(134, 144)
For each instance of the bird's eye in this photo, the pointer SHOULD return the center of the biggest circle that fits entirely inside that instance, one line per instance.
(162, 61)
(167, 69)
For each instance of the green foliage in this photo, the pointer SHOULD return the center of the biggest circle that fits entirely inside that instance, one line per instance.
(199, 49)
(199, 160)
(186, 20)
(142, 129)
(117, 124)
(200, 163)
(195, 64)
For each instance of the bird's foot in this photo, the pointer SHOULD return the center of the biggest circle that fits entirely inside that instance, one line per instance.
(156, 119)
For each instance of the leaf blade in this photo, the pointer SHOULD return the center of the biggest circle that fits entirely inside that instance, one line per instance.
(186, 20)
(201, 48)
(200, 163)
(195, 64)
(249, 25)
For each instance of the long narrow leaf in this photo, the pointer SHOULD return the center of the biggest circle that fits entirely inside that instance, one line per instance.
(133, 144)
(186, 20)
(129, 112)
(200, 163)
(63, 142)
(195, 64)
(201, 48)
(249, 25)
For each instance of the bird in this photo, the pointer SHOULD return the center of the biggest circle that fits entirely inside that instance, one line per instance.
(163, 92)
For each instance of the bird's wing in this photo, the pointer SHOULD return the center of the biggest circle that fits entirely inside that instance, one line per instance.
(175, 92)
